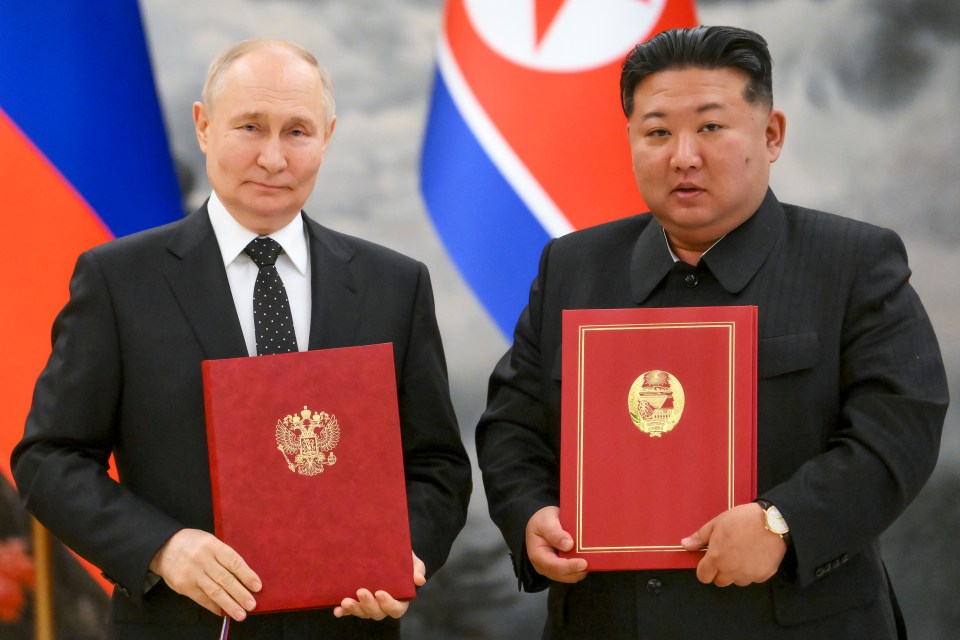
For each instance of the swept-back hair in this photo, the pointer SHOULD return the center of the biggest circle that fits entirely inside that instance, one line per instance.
(705, 48)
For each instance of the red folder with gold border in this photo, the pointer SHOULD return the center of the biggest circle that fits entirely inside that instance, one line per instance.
(658, 429)
(306, 468)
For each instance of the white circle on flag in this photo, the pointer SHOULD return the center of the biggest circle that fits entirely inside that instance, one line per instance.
(573, 35)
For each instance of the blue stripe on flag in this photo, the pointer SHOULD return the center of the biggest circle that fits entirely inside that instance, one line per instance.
(75, 76)
(492, 236)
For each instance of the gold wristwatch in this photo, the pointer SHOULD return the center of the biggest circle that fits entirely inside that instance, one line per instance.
(773, 520)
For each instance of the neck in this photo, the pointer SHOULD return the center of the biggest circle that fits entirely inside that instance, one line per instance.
(690, 256)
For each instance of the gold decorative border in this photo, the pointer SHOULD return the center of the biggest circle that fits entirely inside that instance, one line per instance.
(583, 330)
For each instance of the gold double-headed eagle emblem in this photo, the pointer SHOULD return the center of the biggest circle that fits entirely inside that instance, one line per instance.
(655, 402)
(307, 441)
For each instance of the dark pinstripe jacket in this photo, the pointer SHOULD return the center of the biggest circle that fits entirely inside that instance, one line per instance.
(852, 396)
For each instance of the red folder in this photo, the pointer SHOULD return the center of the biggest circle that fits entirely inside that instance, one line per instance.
(306, 468)
(658, 429)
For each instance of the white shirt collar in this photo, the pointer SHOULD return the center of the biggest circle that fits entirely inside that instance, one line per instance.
(233, 237)
(670, 249)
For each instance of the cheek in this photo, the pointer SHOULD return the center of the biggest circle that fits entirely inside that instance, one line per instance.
(231, 154)
(646, 169)
(306, 163)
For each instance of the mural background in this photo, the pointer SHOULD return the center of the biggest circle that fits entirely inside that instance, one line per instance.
(871, 90)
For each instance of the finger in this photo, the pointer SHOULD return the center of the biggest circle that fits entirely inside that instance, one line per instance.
(371, 608)
(545, 524)
(692, 543)
(699, 539)
(346, 606)
(547, 563)
(554, 534)
(350, 607)
(391, 606)
(707, 570)
(226, 582)
(419, 571)
(722, 581)
(220, 598)
(238, 568)
(204, 601)
(547, 552)
(222, 567)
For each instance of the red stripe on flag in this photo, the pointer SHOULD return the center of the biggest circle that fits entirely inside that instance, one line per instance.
(47, 225)
(570, 132)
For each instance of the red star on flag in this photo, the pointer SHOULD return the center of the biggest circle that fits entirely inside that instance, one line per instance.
(547, 11)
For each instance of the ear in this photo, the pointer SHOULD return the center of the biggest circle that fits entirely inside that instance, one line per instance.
(329, 132)
(201, 122)
(775, 133)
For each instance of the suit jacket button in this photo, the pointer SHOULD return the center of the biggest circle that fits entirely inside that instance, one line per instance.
(820, 572)
(654, 586)
(690, 281)
(844, 558)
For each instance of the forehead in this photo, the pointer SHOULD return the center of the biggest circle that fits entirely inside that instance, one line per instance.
(676, 90)
(271, 79)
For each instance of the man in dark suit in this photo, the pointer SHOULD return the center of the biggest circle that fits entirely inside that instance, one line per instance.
(125, 377)
(852, 392)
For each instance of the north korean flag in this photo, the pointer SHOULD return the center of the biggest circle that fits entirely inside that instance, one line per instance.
(526, 139)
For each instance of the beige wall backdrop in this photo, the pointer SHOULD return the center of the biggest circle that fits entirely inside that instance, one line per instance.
(871, 89)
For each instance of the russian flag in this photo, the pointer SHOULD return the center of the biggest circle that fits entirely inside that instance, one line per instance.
(525, 139)
(83, 159)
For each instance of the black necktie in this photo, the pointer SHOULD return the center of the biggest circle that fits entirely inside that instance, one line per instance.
(271, 308)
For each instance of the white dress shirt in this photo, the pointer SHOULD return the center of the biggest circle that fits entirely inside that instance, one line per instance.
(293, 265)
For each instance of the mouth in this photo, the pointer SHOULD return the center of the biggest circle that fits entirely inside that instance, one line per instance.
(687, 190)
(267, 187)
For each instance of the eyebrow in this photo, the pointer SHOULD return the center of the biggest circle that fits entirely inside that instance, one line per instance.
(259, 115)
(248, 115)
(710, 106)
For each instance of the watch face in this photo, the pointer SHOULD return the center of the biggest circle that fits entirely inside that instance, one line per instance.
(775, 521)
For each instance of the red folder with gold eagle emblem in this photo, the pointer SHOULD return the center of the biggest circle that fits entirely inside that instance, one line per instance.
(306, 468)
(658, 429)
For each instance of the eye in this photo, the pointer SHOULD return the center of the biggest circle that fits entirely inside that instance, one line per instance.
(298, 132)
(712, 126)
(657, 133)
(249, 127)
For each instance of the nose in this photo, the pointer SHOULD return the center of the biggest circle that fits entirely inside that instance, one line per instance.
(686, 153)
(272, 157)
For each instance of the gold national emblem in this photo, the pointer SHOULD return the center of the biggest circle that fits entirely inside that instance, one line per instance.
(655, 402)
(307, 441)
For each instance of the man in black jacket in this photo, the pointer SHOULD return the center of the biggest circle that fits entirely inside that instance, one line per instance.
(851, 387)
(144, 311)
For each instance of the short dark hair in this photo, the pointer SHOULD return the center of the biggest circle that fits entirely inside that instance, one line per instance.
(705, 48)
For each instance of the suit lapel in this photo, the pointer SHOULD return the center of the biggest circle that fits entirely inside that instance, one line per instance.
(199, 282)
(335, 297)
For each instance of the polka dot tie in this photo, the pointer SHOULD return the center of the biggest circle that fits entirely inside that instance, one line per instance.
(271, 308)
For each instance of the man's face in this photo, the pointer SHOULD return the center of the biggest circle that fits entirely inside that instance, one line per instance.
(264, 137)
(701, 152)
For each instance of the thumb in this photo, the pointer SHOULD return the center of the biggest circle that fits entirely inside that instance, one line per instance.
(557, 537)
(419, 571)
(699, 539)
(548, 528)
